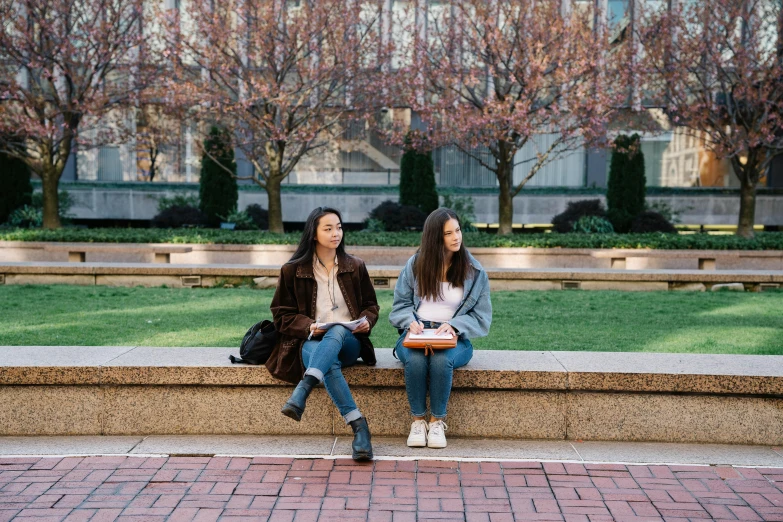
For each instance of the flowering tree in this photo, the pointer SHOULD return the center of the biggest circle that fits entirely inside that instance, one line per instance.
(494, 75)
(717, 69)
(158, 130)
(284, 78)
(63, 64)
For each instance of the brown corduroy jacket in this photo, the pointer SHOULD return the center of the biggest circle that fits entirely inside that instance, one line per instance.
(293, 311)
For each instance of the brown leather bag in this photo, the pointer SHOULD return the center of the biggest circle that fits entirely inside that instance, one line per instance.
(429, 345)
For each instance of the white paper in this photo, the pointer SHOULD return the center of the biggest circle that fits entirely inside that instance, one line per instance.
(351, 325)
(429, 333)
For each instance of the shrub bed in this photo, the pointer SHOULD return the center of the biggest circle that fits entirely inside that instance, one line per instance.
(762, 241)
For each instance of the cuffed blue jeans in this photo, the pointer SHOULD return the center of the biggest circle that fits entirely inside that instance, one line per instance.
(325, 358)
(431, 372)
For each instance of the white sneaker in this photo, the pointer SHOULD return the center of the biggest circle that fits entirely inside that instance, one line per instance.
(437, 434)
(418, 436)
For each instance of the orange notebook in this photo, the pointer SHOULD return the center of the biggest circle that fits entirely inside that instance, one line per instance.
(429, 341)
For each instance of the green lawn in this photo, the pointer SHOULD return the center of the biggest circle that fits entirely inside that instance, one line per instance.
(722, 322)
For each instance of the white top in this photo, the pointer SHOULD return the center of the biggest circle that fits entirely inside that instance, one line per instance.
(443, 310)
(328, 295)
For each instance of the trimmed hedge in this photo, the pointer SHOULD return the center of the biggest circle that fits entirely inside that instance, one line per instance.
(762, 240)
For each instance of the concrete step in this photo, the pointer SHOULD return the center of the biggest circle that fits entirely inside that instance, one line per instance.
(384, 277)
(394, 447)
(504, 258)
(575, 396)
(371, 152)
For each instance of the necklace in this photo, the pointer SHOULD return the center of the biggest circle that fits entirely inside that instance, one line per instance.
(332, 292)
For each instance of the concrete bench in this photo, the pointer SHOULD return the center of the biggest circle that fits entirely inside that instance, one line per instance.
(502, 258)
(90, 252)
(515, 395)
(384, 277)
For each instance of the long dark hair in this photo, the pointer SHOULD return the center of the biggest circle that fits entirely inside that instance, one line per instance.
(431, 259)
(306, 248)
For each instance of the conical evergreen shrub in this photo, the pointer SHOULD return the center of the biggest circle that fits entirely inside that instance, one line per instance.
(417, 179)
(218, 192)
(627, 183)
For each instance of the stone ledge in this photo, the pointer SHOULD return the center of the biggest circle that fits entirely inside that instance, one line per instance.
(516, 257)
(131, 269)
(500, 394)
(757, 375)
(118, 247)
(673, 373)
(522, 274)
(231, 247)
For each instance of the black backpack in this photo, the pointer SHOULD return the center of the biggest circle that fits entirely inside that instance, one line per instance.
(257, 344)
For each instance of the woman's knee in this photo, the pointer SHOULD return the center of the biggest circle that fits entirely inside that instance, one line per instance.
(463, 353)
(347, 358)
(335, 368)
(440, 360)
(416, 366)
(337, 332)
(415, 358)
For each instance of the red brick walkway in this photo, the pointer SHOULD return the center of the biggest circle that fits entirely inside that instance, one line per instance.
(102, 489)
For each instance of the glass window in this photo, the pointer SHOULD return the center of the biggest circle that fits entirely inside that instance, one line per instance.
(402, 27)
(764, 25)
(369, 30)
(566, 170)
(109, 164)
(437, 24)
(679, 159)
(584, 9)
(188, 29)
(454, 168)
(617, 18)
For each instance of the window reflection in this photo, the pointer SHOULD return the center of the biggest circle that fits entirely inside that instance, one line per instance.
(403, 27)
(617, 15)
(678, 158)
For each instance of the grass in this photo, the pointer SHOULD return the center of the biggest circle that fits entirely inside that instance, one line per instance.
(683, 322)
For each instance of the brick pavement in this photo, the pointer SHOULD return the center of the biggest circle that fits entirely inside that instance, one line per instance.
(203, 489)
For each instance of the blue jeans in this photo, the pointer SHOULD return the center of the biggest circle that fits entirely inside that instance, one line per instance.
(436, 370)
(325, 358)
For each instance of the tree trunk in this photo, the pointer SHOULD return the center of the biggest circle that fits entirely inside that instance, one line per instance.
(51, 201)
(275, 204)
(153, 159)
(747, 213)
(505, 199)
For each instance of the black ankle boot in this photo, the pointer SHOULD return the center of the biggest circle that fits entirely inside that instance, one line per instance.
(362, 449)
(295, 405)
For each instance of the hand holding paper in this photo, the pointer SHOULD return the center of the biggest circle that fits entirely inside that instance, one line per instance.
(351, 325)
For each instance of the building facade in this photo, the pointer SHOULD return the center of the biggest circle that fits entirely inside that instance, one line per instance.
(672, 158)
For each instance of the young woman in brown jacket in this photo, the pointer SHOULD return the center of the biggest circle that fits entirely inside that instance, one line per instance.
(321, 283)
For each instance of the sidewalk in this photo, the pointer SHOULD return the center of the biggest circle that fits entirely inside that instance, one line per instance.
(137, 479)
